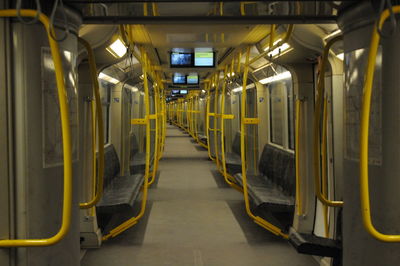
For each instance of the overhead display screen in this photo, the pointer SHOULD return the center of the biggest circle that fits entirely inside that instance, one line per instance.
(192, 78)
(181, 59)
(203, 57)
(183, 91)
(179, 78)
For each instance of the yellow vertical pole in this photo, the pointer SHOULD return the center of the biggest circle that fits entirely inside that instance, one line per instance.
(297, 154)
(216, 115)
(208, 117)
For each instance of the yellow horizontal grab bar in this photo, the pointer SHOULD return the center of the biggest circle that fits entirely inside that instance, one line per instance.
(228, 116)
(364, 134)
(100, 129)
(139, 121)
(66, 139)
(251, 121)
(316, 129)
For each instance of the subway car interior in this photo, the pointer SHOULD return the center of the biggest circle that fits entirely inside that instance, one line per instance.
(205, 133)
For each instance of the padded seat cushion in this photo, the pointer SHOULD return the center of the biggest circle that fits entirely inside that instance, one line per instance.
(202, 137)
(266, 194)
(233, 163)
(120, 194)
(138, 163)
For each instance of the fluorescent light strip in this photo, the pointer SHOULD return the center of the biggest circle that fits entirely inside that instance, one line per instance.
(340, 56)
(108, 78)
(336, 32)
(117, 48)
(250, 86)
(283, 75)
(133, 89)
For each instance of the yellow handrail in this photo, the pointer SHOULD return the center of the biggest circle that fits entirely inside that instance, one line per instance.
(258, 220)
(284, 40)
(132, 221)
(366, 108)
(99, 114)
(297, 154)
(223, 159)
(208, 120)
(66, 139)
(316, 128)
(156, 144)
(216, 129)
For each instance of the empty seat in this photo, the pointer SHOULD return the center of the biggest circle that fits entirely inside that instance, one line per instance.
(137, 160)
(202, 138)
(274, 187)
(120, 192)
(233, 159)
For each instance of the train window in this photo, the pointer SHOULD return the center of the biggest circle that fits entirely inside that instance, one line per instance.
(281, 108)
(105, 93)
(277, 95)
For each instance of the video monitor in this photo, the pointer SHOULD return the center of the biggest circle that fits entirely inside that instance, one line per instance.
(183, 92)
(179, 79)
(204, 57)
(192, 78)
(173, 92)
(181, 59)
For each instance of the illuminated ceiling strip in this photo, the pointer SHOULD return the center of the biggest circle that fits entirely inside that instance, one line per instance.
(281, 76)
(108, 78)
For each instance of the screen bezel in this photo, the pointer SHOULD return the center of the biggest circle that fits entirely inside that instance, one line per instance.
(194, 60)
(197, 83)
(174, 83)
(191, 64)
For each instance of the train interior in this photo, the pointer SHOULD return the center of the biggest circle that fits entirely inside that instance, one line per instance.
(199, 133)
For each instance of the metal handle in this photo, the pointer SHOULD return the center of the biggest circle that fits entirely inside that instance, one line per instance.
(364, 134)
(66, 138)
(99, 114)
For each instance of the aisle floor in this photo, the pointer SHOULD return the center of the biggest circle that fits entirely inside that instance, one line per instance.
(193, 218)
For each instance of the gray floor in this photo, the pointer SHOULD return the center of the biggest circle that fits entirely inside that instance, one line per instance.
(194, 219)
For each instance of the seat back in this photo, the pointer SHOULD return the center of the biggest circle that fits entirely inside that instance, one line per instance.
(278, 166)
(236, 144)
(134, 146)
(111, 164)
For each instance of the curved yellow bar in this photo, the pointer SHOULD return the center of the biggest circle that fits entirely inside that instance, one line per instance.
(132, 221)
(100, 129)
(285, 39)
(66, 138)
(208, 120)
(316, 128)
(366, 108)
(222, 127)
(258, 220)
